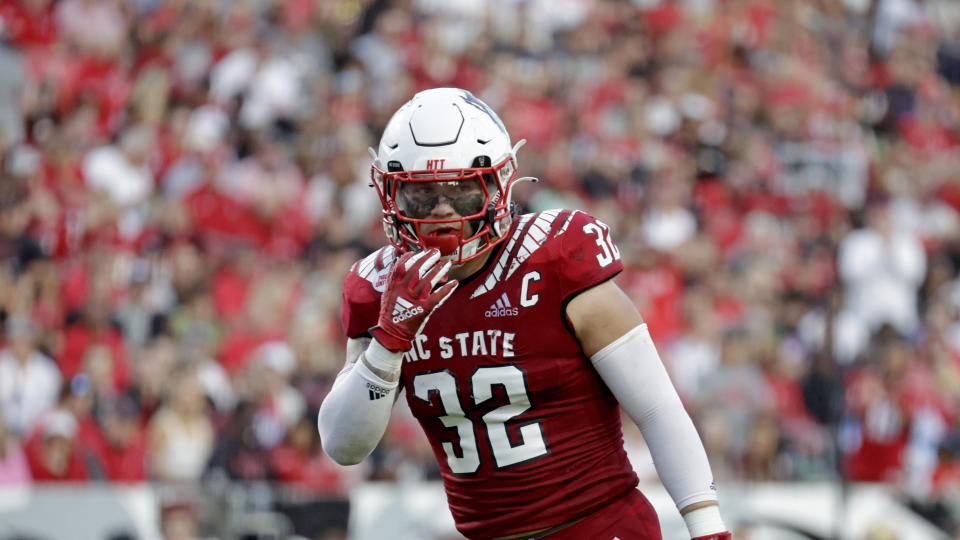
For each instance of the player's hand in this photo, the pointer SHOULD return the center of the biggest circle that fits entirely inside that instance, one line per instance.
(409, 298)
(717, 536)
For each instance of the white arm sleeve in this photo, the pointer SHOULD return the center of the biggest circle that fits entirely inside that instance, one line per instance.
(355, 413)
(634, 373)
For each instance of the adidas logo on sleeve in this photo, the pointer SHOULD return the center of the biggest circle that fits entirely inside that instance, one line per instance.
(403, 310)
(502, 308)
(376, 391)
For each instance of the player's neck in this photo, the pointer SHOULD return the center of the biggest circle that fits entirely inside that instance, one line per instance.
(471, 267)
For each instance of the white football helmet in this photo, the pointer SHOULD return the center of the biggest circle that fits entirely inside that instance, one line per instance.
(445, 143)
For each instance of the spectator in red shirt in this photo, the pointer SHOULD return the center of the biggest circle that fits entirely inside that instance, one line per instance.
(51, 452)
(298, 461)
(81, 338)
(29, 22)
(120, 446)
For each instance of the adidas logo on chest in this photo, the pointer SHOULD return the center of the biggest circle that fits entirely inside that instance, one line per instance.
(502, 308)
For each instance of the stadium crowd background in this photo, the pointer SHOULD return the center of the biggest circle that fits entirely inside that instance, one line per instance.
(185, 186)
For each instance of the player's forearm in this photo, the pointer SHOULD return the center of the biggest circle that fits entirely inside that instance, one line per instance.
(677, 452)
(355, 413)
(634, 373)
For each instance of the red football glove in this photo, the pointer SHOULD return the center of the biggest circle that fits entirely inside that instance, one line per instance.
(718, 536)
(409, 299)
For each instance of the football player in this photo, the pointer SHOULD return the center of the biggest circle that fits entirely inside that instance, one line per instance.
(514, 346)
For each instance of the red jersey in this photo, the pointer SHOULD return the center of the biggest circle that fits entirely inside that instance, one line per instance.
(526, 433)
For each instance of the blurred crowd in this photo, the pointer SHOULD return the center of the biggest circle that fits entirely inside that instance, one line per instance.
(185, 184)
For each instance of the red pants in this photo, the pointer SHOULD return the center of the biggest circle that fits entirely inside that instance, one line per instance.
(630, 517)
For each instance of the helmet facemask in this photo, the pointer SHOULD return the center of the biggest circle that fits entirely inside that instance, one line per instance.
(461, 212)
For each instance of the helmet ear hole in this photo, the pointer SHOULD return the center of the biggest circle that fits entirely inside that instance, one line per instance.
(394, 166)
(480, 161)
(488, 178)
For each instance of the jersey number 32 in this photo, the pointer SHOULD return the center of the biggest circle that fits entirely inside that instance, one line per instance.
(505, 453)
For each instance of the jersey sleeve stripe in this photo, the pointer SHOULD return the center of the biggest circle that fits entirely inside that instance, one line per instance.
(536, 236)
(386, 257)
(368, 268)
(566, 223)
(367, 265)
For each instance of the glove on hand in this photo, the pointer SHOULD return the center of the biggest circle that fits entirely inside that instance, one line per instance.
(409, 298)
(718, 536)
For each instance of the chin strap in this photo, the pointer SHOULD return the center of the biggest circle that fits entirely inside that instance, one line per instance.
(492, 214)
